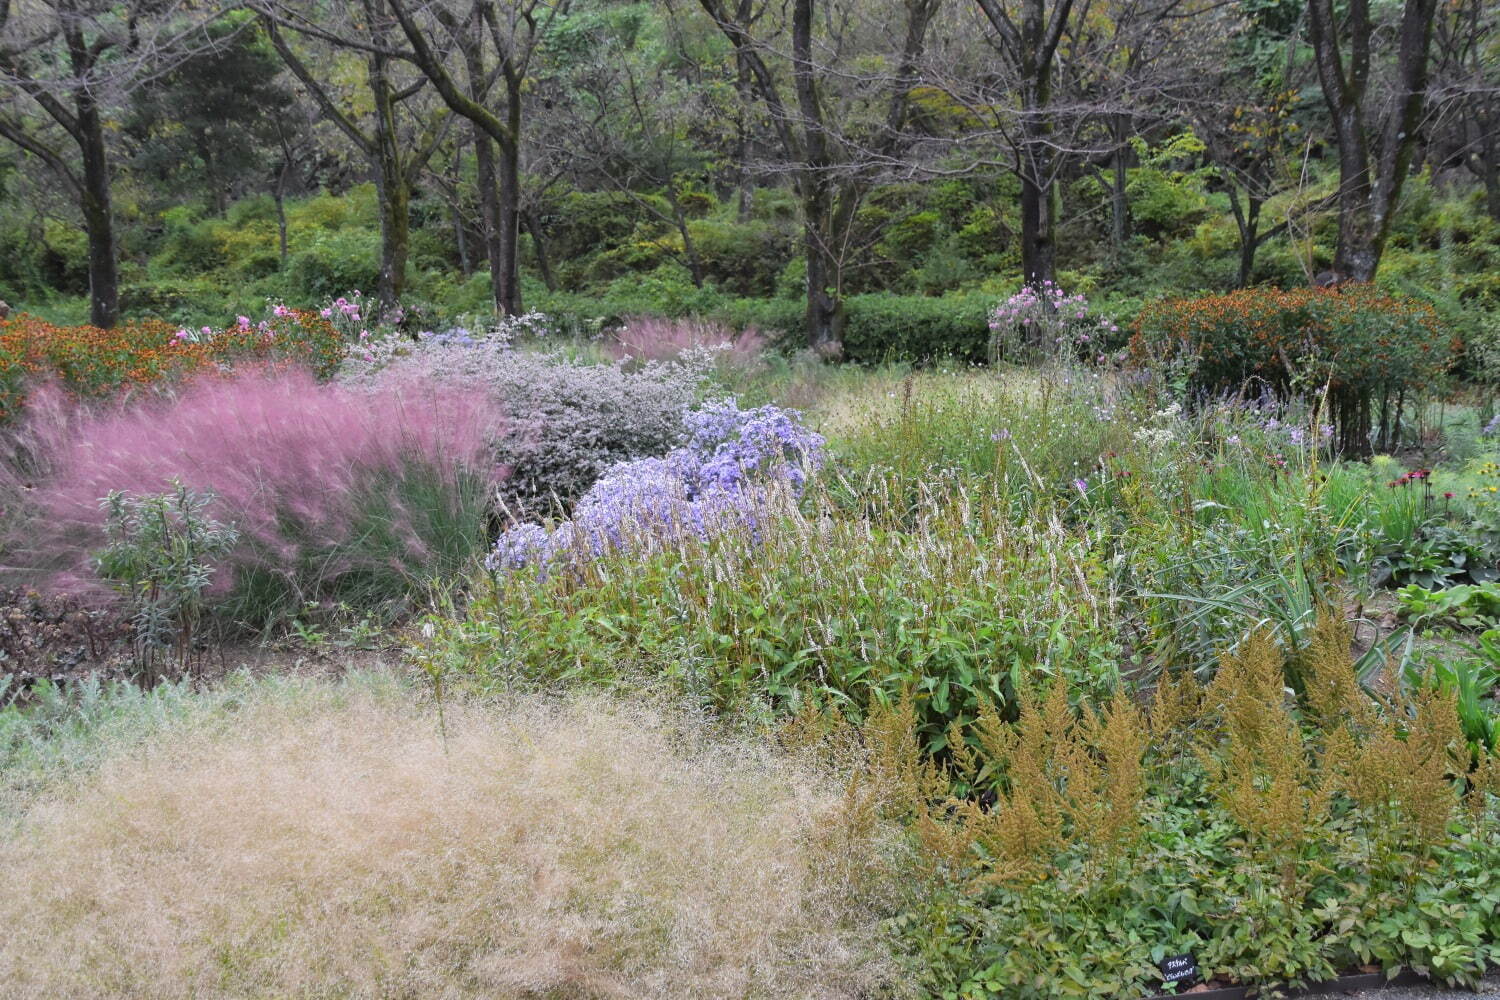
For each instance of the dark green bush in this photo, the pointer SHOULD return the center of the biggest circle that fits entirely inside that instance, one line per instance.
(916, 328)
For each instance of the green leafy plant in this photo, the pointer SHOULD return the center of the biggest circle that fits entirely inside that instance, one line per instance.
(1475, 605)
(160, 556)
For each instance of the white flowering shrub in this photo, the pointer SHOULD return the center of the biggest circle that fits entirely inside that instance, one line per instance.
(567, 422)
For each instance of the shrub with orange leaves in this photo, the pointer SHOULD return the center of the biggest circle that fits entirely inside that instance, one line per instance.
(92, 362)
(1372, 351)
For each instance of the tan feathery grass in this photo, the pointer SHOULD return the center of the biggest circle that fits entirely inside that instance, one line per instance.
(339, 848)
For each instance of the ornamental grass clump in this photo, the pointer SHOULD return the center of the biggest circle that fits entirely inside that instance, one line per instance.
(660, 339)
(336, 494)
(299, 838)
(1037, 431)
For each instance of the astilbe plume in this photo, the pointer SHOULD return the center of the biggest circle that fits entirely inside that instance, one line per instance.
(733, 463)
(306, 473)
(1261, 767)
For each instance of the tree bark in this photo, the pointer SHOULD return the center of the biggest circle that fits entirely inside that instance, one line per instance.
(508, 278)
(539, 247)
(1486, 162)
(689, 249)
(460, 233)
(825, 303)
(1032, 47)
(1119, 205)
(392, 186)
(395, 237)
(1371, 175)
(98, 217)
(1247, 222)
(488, 181)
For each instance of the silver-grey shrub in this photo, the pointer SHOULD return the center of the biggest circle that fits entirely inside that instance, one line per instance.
(567, 421)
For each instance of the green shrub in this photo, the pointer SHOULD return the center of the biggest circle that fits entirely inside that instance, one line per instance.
(161, 554)
(332, 263)
(884, 327)
(1375, 353)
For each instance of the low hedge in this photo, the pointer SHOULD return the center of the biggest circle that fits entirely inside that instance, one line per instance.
(879, 326)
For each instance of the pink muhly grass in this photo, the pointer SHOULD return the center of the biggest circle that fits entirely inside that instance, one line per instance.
(294, 465)
(656, 338)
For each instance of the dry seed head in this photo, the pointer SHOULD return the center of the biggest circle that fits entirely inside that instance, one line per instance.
(1259, 760)
(1406, 770)
(1332, 691)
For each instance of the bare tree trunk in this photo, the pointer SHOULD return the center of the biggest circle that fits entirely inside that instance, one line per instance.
(393, 188)
(1033, 46)
(395, 235)
(825, 305)
(98, 218)
(508, 277)
(1119, 206)
(743, 86)
(1247, 221)
(488, 183)
(1370, 180)
(689, 250)
(1486, 162)
(280, 198)
(460, 232)
(539, 246)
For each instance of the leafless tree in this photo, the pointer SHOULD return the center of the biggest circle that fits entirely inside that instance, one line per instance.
(478, 54)
(395, 139)
(839, 124)
(1374, 81)
(1046, 89)
(64, 67)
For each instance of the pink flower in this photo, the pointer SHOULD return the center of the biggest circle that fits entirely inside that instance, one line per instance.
(326, 313)
(244, 322)
(208, 332)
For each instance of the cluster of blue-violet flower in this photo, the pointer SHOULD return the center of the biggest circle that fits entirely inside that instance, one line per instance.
(721, 478)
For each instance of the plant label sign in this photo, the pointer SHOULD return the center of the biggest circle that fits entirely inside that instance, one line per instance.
(1181, 969)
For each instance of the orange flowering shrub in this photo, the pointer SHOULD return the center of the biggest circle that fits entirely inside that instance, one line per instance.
(91, 362)
(1371, 350)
